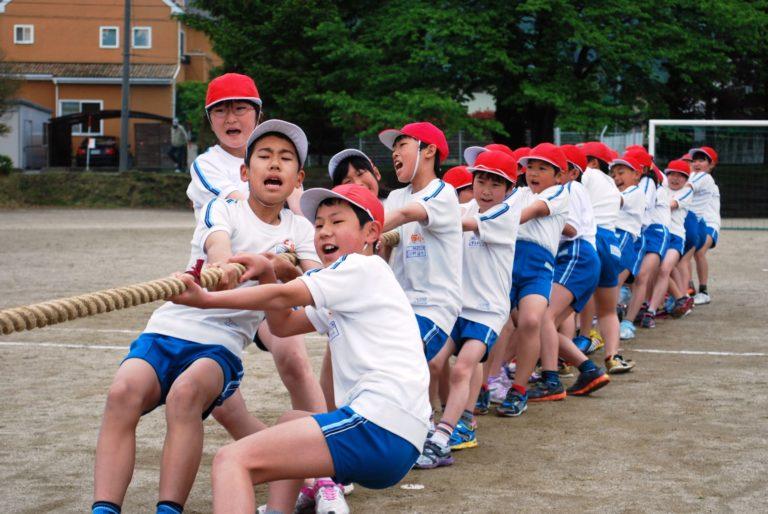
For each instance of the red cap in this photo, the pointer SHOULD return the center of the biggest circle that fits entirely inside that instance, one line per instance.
(679, 166)
(231, 86)
(471, 152)
(422, 131)
(355, 194)
(521, 152)
(686, 157)
(546, 152)
(640, 155)
(598, 150)
(575, 156)
(628, 160)
(706, 150)
(496, 162)
(657, 172)
(458, 177)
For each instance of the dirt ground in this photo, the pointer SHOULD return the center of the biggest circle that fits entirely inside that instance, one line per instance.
(685, 432)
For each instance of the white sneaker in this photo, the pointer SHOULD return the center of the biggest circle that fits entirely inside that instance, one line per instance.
(626, 330)
(348, 488)
(329, 498)
(701, 299)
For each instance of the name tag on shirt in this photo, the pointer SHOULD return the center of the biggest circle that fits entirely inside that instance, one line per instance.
(333, 331)
(474, 242)
(414, 251)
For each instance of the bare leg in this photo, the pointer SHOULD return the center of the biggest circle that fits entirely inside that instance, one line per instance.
(436, 366)
(476, 382)
(496, 358)
(559, 305)
(586, 316)
(326, 379)
(461, 374)
(702, 266)
(444, 384)
(605, 302)
(233, 415)
(648, 269)
(528, 334)
(662, 281)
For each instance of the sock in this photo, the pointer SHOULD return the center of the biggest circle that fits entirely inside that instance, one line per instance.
(467, 416)
(103, 507)
(168, 507)
(550, 377)
(652, 312)
(703, 288)
(442, 433)
(520, 389)
(587, 366)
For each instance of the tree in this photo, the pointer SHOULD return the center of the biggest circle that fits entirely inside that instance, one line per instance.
(8, 88)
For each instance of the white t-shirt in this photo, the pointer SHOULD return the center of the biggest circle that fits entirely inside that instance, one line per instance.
(631, 214)
(233, 329)
(659, 212)
(704, 192)
(487, 262)
(545, 231)
(648, 187)
(604, 195)
(683, 196)
(377, 356)
(712, 212)
(580, 213)
(427, 262)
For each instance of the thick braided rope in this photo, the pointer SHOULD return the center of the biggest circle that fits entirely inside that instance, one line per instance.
(65, 309)
(391, 238)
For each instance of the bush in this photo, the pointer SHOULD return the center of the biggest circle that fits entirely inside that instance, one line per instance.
(6, 165)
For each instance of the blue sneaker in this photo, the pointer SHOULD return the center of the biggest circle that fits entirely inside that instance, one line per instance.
(626, 330)
(584, 344)
(463, 437)
(434, 456)
(625, 295)
(483, 402)
(514, 404)
(669, 303)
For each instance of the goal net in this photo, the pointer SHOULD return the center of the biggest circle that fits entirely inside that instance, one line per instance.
(742, 170)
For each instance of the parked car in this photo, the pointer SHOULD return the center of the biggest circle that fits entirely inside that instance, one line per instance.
(106, 152)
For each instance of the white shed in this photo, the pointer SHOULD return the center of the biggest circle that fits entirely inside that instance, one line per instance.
(25, 143)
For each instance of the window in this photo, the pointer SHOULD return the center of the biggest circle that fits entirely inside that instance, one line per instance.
(182, 44)
(91, 127)
(109, 37)
(23, 34)
(142, 37)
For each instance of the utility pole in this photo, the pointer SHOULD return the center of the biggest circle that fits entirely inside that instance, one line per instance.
(125, 108)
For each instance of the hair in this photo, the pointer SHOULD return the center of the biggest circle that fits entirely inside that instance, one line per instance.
(521, 180)
(279, 135)
(493, 177)
(256, 106)
(572, 167)
(423, 146)
(652, 175)
(362, 216)
(604, 167)
(359, 163)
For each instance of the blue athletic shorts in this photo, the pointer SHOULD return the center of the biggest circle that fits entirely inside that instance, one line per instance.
(639, 251)
(432, 336)
(629, 246)
(532, 272)
(610, 257)
(171, 356)
(656, 239)
(465, 329)
(691, 226)
(363, 452)
(676, 243)
(577, 268)
(713, 233)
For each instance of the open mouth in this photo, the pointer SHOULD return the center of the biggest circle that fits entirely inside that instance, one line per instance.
(328, 249)
(398, 165)
(273, 183)
(234, 132)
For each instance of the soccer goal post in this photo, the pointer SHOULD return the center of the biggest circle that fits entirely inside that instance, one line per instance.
(742, 170)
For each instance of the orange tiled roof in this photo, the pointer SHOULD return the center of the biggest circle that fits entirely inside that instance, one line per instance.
(88, 70)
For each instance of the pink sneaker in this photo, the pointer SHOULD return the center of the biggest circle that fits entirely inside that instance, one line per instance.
(329, 497)
(305, 503)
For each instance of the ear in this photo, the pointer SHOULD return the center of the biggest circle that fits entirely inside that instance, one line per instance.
(430, 151)
(301, 176)
(372, 232)
(376, 173)
(243, 172)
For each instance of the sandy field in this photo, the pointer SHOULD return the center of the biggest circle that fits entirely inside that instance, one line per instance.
(685, 432)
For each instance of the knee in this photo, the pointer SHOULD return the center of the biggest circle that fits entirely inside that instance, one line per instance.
(184, 398)
(436, 366)
(227, 458)
(528, 322)
(293, 366)
(123, 398)
(460, 372)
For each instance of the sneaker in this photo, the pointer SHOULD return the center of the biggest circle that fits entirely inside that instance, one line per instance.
(648, 320)
(545, 391)
(626, 330)
(535, 377)
(669, 303)
(701, 299)
(434, 456)
(329, 498)
(348, 488)
(463, 437)
(597, 339)
(499, 394)
(305, 503)
(483, 401)
(617, 364)
(564, 370)
(514, 404)
(639, 317)
(584, 344)
(625, 295)
(589, 382)
(497, 387)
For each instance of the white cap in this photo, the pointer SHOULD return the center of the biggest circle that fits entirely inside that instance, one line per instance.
(471, 153)
(348, 152)
(289, 130)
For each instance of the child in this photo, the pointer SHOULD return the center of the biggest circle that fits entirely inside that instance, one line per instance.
(544, 213)
(577, 271)
(705, 205)
(626, 173)
(680, 199)
(427, 263)
(187, 358)
(490, 226)
(351, 166)
(461, 180)
(380, 376)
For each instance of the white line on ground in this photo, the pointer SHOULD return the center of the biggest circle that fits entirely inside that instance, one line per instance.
(100, 330)
(697, 352)
(63, 345)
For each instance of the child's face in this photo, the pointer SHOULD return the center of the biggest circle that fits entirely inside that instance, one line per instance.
(362, 177)
(701, 163)
(676, 180)
(488, 191)
(541, 175)
(404, 157)
(624, 176)
(338, 232)
(273, 171)
(465, 194)
(233, 122)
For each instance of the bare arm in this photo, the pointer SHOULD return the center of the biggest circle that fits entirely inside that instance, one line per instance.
(569, 231)
(411, 212)
(537, 209)
(469, 224)
(218, 249)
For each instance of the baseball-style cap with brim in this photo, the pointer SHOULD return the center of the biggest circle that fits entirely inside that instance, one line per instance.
(471, 152)
(422, 131)
(628, 161)
(706, 150)
(686, 157)
(348, 152)
(289, 130)
(640, 155)
(458, 177)
(231, 86)
(496, 162)
(575, 156)
(599, 151)
(548, 153)
(657, 172)
(679, 166)
(357, 195)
